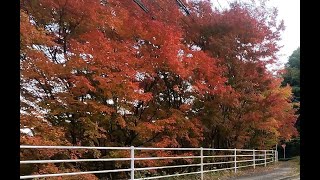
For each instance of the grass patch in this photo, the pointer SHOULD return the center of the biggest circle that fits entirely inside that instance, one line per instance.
(207, 176)
(295, 164)
(224, 174)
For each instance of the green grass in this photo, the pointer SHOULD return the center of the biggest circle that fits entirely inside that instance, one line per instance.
(207, 176)
(220, 175)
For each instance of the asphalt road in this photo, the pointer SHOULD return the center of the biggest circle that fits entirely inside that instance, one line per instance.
(282, 172)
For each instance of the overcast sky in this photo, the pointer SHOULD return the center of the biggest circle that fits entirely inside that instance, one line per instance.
(289, 11)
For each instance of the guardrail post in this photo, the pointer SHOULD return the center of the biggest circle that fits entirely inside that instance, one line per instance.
(254, 159)
(277, 156)
(132, 161)
(235, 160)
(265, 158)
(201, 168)
(273, 156)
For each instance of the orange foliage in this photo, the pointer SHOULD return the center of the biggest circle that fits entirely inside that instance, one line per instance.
(98, 73)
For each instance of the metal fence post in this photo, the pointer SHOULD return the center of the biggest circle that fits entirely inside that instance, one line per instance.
(265, 158)
(235, 160)
(132, 161)
(254, 159)
(201, 154)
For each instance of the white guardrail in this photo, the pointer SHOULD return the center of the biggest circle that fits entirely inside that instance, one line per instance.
(238, 157)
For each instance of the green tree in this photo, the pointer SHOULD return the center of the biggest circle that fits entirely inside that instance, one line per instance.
(292, 77)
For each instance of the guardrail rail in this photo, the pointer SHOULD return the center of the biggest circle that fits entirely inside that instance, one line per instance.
(205, 159)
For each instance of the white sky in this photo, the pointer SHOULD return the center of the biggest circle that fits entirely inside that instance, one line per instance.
(289, 12)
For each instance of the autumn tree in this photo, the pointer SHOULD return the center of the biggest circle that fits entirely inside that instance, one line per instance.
(244, 39)
(147, 73)
(87, 74)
